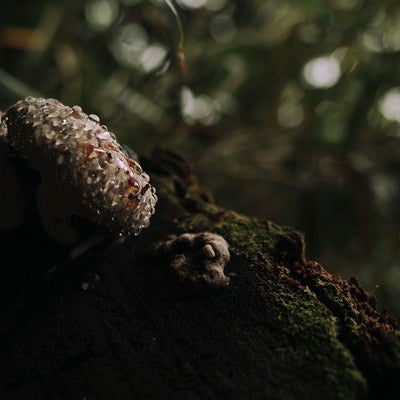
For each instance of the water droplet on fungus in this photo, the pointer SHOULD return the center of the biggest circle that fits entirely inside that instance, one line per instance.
(73, 148)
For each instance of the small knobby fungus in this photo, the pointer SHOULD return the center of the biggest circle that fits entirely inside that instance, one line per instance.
(196, 259)
(82, 161)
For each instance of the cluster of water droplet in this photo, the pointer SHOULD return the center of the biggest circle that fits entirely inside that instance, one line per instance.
(66, 144)
(3, 126)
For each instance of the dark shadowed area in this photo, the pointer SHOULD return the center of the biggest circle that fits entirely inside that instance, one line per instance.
(289, 110)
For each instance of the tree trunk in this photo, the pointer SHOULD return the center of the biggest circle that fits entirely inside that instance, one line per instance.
(118, 323)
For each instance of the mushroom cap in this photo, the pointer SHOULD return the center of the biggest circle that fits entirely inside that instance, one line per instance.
(66, 145)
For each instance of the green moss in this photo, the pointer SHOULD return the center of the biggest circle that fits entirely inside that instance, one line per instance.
(248, 237)
(306, 329)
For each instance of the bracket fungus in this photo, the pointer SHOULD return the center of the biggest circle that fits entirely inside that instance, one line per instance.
(196, 259)
(82, 167)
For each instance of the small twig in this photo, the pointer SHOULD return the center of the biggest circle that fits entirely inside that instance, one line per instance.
(181, 37)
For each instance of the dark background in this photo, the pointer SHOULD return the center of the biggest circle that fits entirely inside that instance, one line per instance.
(289, 110)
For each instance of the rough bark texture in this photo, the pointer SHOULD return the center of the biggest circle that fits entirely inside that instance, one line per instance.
(115, 324)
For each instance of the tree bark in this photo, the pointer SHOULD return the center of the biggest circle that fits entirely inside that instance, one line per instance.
(115, 323)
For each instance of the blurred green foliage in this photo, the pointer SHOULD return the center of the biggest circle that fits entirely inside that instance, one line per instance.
(290, 110)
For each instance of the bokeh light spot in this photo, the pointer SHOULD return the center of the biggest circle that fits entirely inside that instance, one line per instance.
(290, 114)
(152, 57)
(131, 47)
(100, 14)
(322, 72)
(201, 108)
(192, 3)
(389, 105)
